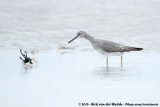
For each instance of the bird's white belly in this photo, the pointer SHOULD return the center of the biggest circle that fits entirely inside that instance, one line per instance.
(109, 53)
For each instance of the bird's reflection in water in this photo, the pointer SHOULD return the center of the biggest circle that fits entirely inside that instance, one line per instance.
(114, 73)
(27, 69)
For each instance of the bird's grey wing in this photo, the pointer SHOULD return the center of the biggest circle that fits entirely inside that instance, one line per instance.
(110, 46)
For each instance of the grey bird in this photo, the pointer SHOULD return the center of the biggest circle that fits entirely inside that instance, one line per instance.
(106, 47)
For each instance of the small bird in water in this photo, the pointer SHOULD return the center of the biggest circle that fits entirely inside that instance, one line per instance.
(27, 60)
(106, 47)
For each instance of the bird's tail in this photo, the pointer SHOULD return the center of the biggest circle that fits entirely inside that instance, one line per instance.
(127, 48)
(136, 49)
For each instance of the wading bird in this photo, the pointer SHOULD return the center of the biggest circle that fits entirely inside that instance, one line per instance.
(106, 47)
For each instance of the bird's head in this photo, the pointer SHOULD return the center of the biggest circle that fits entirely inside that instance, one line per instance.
(80, 34)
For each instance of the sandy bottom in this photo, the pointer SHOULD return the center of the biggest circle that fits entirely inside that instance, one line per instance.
(65, 79)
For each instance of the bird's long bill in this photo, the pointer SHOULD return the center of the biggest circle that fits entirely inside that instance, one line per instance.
(73, 39)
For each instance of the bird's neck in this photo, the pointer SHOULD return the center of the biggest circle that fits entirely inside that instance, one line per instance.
(88, 37)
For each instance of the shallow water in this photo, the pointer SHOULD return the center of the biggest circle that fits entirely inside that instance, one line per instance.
(67, 77)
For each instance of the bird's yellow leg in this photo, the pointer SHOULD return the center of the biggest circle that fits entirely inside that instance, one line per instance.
(121, 61)
(107, 61)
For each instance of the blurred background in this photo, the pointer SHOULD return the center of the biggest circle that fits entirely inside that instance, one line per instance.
(42, 24)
